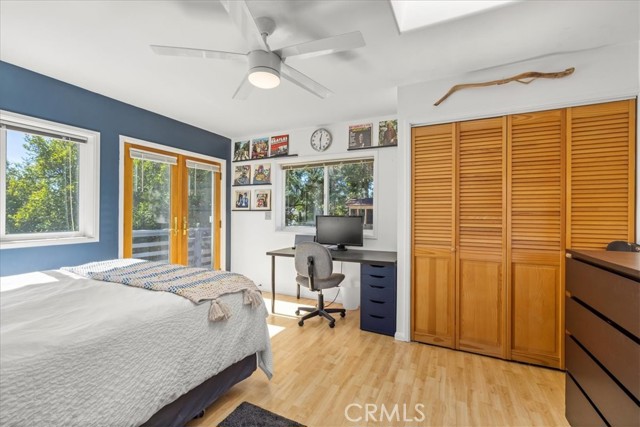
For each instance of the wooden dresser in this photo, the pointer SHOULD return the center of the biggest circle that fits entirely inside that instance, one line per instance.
(602, 338)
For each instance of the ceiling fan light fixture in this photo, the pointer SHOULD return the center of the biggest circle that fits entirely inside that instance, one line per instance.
(264, 77)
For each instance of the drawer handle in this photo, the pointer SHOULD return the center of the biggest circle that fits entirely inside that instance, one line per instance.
(376, 317)
(376, 266)
(376, 276)
(377, 287)
(376, 301)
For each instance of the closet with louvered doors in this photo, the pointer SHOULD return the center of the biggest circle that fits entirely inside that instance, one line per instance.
(481, 223)
(535, 236)
(433, 237)
(519, 190)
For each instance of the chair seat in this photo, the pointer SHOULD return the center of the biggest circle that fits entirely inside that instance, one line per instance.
(330, 282)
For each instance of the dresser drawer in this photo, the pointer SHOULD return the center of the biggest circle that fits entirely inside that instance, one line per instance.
(379, 307)
(379, 271)
(615, 351)
(579, 411)
(379, 281)
(612, 295)
(379, 292)
(382, 324)
(612, 402)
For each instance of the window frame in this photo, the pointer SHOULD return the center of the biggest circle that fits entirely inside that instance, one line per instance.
(88, 186)
(280, 199)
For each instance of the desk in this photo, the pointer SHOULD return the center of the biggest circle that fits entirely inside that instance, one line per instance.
(382, 258)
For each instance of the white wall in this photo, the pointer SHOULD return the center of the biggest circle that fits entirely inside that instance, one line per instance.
(603, 74)
(252, 235)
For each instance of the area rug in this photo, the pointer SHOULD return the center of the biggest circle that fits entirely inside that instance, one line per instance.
(249, 415)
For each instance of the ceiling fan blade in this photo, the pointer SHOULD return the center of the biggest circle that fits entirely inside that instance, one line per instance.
(303, 81)
(242, 18)
(196, 53)
(243, 90)
(325, 46)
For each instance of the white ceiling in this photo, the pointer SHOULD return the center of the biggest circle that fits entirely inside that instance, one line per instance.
(103, 46)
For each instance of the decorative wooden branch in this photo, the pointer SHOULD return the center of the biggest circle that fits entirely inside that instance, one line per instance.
(524, 78)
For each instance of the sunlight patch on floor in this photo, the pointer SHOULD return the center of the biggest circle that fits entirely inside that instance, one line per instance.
(284, 308)
(274, 330)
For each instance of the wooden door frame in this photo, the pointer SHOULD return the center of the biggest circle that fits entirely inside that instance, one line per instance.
(221, 195)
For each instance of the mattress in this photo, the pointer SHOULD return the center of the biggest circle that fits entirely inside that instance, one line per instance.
(80, 352)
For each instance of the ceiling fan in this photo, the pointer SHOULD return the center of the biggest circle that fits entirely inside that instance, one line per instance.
(267, 66)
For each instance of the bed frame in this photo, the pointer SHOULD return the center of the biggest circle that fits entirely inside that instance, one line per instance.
(193, 403)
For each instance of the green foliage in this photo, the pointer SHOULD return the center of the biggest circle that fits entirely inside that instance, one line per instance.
(42, 190)
(304, 191)
(151, 195)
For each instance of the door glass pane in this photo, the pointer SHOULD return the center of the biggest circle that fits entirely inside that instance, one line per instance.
(201, 232)
(151, 210)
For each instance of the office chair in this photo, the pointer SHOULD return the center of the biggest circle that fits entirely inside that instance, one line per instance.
(622, 246)
(299, 239)
(315, 271)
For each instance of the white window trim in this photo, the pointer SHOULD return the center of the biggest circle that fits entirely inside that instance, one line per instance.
(223, 189)
(88, 192)
(279, 179)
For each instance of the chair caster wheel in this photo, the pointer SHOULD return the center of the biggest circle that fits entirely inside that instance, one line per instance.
(342, 314)
(332, 324)
(297, 312)
(300, 323)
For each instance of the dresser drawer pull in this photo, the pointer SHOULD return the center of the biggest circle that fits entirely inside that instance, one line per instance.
(377, 287)
(376, 316)
(376, 276)
(376, 266)
(376, 301)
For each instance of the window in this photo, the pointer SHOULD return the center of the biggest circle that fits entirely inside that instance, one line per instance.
(49, 183)
(330, 188)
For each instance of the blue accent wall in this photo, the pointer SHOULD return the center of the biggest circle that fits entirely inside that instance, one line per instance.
(32, 94)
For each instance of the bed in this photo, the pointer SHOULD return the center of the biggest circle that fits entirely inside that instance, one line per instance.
(78, 352)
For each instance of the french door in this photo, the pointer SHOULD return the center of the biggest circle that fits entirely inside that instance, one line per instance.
(171, 207)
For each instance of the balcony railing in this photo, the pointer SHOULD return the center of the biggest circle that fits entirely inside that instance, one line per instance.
(153, 245)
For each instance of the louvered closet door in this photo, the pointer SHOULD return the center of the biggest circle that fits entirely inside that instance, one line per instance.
(433, 225)
(536, 174)
(601, 161)
(481, 295)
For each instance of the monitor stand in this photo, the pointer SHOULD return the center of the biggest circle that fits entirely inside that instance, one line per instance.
(338, 247)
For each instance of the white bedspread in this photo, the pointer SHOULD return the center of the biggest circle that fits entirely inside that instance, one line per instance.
(78, 352)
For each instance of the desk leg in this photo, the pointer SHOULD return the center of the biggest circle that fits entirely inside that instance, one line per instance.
(273, 284)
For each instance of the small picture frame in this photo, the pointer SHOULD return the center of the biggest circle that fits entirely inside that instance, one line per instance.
(388, 133)
(261, 173)
(241, 151)
(242, 175)
(259, 148)
(241, 200)
(261, 200)
(279, 145)
(360, 136)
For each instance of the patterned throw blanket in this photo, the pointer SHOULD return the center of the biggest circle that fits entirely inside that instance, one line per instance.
(195, 284)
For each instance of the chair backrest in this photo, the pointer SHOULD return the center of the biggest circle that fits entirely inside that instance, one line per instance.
(322, 262)
(622, 246)
(303, 238)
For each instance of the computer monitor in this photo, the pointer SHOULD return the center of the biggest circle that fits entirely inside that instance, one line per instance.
(339, 230)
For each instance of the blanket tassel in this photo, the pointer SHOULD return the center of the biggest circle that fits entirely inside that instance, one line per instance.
(218, 311)
(253, 297)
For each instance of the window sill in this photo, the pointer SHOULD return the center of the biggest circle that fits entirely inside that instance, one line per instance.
(54, 241)
(368, 234)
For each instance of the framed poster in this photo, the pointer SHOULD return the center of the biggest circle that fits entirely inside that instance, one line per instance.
(262, 200)
(360, 136)
(279, 145)
(260, 148)
(241, 200)
(388, 133)
(261, 173)
(242, 175)
(240, 151)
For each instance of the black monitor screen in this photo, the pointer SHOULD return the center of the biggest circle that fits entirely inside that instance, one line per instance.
(339, 230)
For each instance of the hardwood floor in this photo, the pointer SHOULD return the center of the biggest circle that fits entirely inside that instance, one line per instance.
(320, 371)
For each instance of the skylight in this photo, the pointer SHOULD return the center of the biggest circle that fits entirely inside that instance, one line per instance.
(412, 14)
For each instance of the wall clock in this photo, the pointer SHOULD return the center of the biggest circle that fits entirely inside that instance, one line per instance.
(320, 139)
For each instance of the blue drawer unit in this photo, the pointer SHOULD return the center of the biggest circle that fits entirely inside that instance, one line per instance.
(378, 298)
